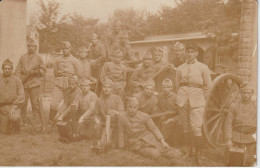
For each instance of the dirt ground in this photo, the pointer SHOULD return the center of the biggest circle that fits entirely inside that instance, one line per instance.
(31, 149)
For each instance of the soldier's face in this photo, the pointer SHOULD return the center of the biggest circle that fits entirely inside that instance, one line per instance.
(246, 95)
(118, 57)
(147, 61)
(132, 109)
(148, 90)
(85, 88)
(107, 89)
(166, 89)
(179, 52)
(72, 85)
(7, 70)
(157, 56)
(191, 54)
(66, 51)
(83, 54)
(31, 49)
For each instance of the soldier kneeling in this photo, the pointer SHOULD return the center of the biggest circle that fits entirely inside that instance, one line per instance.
(240, 127)
(11, 99)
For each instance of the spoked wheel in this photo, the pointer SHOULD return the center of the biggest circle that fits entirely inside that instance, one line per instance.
(224, 92)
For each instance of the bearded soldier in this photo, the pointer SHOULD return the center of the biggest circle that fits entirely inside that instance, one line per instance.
(11, 99)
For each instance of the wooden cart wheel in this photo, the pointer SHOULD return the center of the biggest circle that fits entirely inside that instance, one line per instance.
(224, 92)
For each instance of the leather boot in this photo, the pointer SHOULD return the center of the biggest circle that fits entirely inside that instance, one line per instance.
(198, 140)
(52, 114)
(188, 144)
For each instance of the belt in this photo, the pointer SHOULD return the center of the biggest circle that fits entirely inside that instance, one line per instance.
(191, 85)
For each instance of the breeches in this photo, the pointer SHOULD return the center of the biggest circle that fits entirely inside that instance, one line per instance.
(33, 94)
(192, 119)
(57, 96)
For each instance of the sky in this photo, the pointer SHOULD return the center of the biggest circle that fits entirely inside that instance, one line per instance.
(100, 9)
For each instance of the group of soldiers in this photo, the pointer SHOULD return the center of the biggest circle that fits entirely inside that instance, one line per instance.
(127, 111)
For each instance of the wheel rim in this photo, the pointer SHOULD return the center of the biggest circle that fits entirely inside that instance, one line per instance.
(224, 92)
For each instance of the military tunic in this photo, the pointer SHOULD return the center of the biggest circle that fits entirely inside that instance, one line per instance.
(11, 94)
(148, 104)
(64, 68)
(192, 83)
(142, 74)
(117, 74)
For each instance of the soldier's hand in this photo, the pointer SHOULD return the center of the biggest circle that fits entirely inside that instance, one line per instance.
(169, 120)
(229, 143)
(97, 123)
(81, 120)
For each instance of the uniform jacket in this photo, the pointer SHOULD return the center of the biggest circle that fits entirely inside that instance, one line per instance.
(98, 51)
(142, 74)
(113, 72)
(141, 126)
(28, 64)
(64, 68)
(241, 122)
(147, 104)
(86, 102)
(197, 77)
(167, 103)
(11, 90)
(84, 68)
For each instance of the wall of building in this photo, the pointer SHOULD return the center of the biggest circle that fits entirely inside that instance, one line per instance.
(12, 29)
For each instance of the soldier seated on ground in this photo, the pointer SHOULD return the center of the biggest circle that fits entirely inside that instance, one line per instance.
(107, 108)
(241, 122)
(172, 126)
(11, 99)
(63, 113)
(142, 134)
(85, 104)
(116, 72)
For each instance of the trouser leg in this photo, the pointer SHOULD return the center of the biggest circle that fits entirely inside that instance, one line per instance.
(250, 153)
(57, 96)
(24, 106)
(34, 95)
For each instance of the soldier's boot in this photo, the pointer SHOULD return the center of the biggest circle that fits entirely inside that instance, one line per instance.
(197, 140)
(188, 140)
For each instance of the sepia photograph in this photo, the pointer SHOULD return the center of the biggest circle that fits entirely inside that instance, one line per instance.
(128, 83)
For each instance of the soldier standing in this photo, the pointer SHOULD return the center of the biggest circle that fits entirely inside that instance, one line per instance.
(192, 83)
(85, 67)
(65, 67)
(241, 122)
(30, 69)
(97, 56)
(179, 55)
(11, 99)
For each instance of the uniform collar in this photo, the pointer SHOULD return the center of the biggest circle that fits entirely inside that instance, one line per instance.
(192, 62)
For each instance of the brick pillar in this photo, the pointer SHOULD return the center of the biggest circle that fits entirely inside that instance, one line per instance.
(247, 39)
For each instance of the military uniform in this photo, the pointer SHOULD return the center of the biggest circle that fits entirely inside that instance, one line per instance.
(192, 83)
(240, 126)
(11, 96)
(127, 53)
(148, 104)
(117, 74)
(30, 69)
(64, 68)
(85, 104)
(142, 74)
(102, 107)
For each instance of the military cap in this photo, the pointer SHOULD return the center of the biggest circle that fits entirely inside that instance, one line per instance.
(31, 42)
(7, 62)
(178, 45)
(108, 82)
(246, 86)
(158, 49)
(131, 101)
(73, 79)
(94, 36)
(84, 81)
(66, 44)
(149, 82)
(167, 82)
(192, 45)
